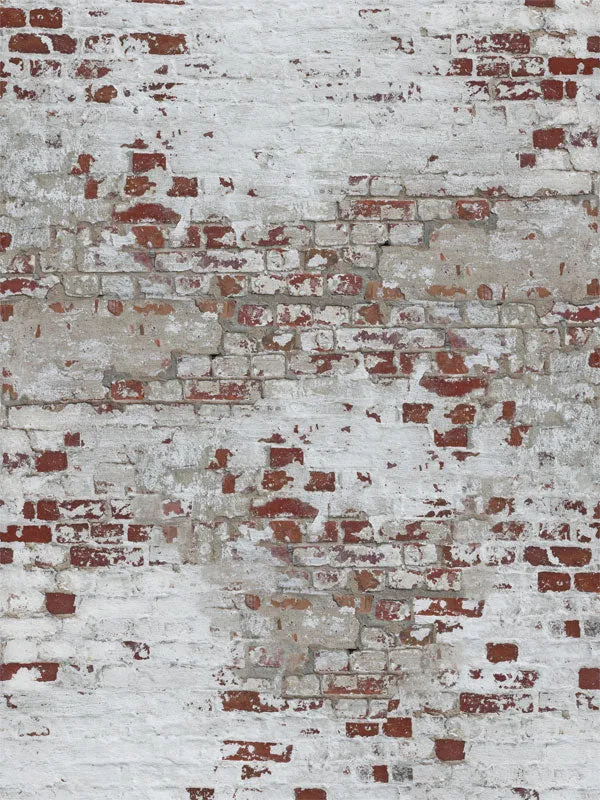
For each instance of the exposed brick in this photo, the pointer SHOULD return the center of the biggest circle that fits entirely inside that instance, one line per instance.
(46, 18)
(144, 162)
(589, 678)
(285, 507)
(587, 582)
(554, 582)
(12, 18)
(498, 653)
(548, 139)
(59, 603)
(473, 210)
(28, 43)
(362, 729)
(183, 187)
(321, 482)
(51, 461)
(283, 456)
(42, 671)
(84, 556)
(450, 749)
(39, 534)
(399, 727)
(456, 437)
(494, 704)
(162, 44)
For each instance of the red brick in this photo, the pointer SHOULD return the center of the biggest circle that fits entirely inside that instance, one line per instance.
(498, 653)
(456, 437)
(380, 774)
(473, 210)
(46, 18)
(61, 43)
(388, 209)
(554, 582)
(274, 480)
(252, 316)
(460, 67)
(525, 160)
(363, 729)
(471, 703)
(548, 139)
(219, 236)
(183, 187)
(451, 363)
(38, 534)
(589, 678)
(162, 44)
(27, 43)
(517, 43)
(380, 363)
(83, 509)
(559, 65)
(47, 510)
(462, 414)
(588, 582)
(398, 727)
(572, 629)
(86, 556)
(59, 603)
(285, 530)
(452, 387)
(321, 482)
(285, 507)
(259, 751)
(138, 533)
(450, 749)
(137, 185)
(144, 162)
(127, 390)
(416, 412)
(247, 701)
(450, 607)
(51, 461)
(12, 18)
(568, 556)
(147, 212)
(347, 285)
(46, 671)
(149, 236)
(283, 456)
(392, 610)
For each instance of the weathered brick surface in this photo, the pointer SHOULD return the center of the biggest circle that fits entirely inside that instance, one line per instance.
(300, 349)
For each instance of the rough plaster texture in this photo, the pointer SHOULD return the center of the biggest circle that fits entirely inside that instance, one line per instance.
(300, 350)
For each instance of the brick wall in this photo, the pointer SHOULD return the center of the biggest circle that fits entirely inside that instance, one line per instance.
(300, 349)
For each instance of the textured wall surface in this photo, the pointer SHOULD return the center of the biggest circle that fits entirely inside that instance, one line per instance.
(300, 351)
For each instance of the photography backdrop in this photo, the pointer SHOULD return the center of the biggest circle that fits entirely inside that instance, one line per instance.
(300, 352)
